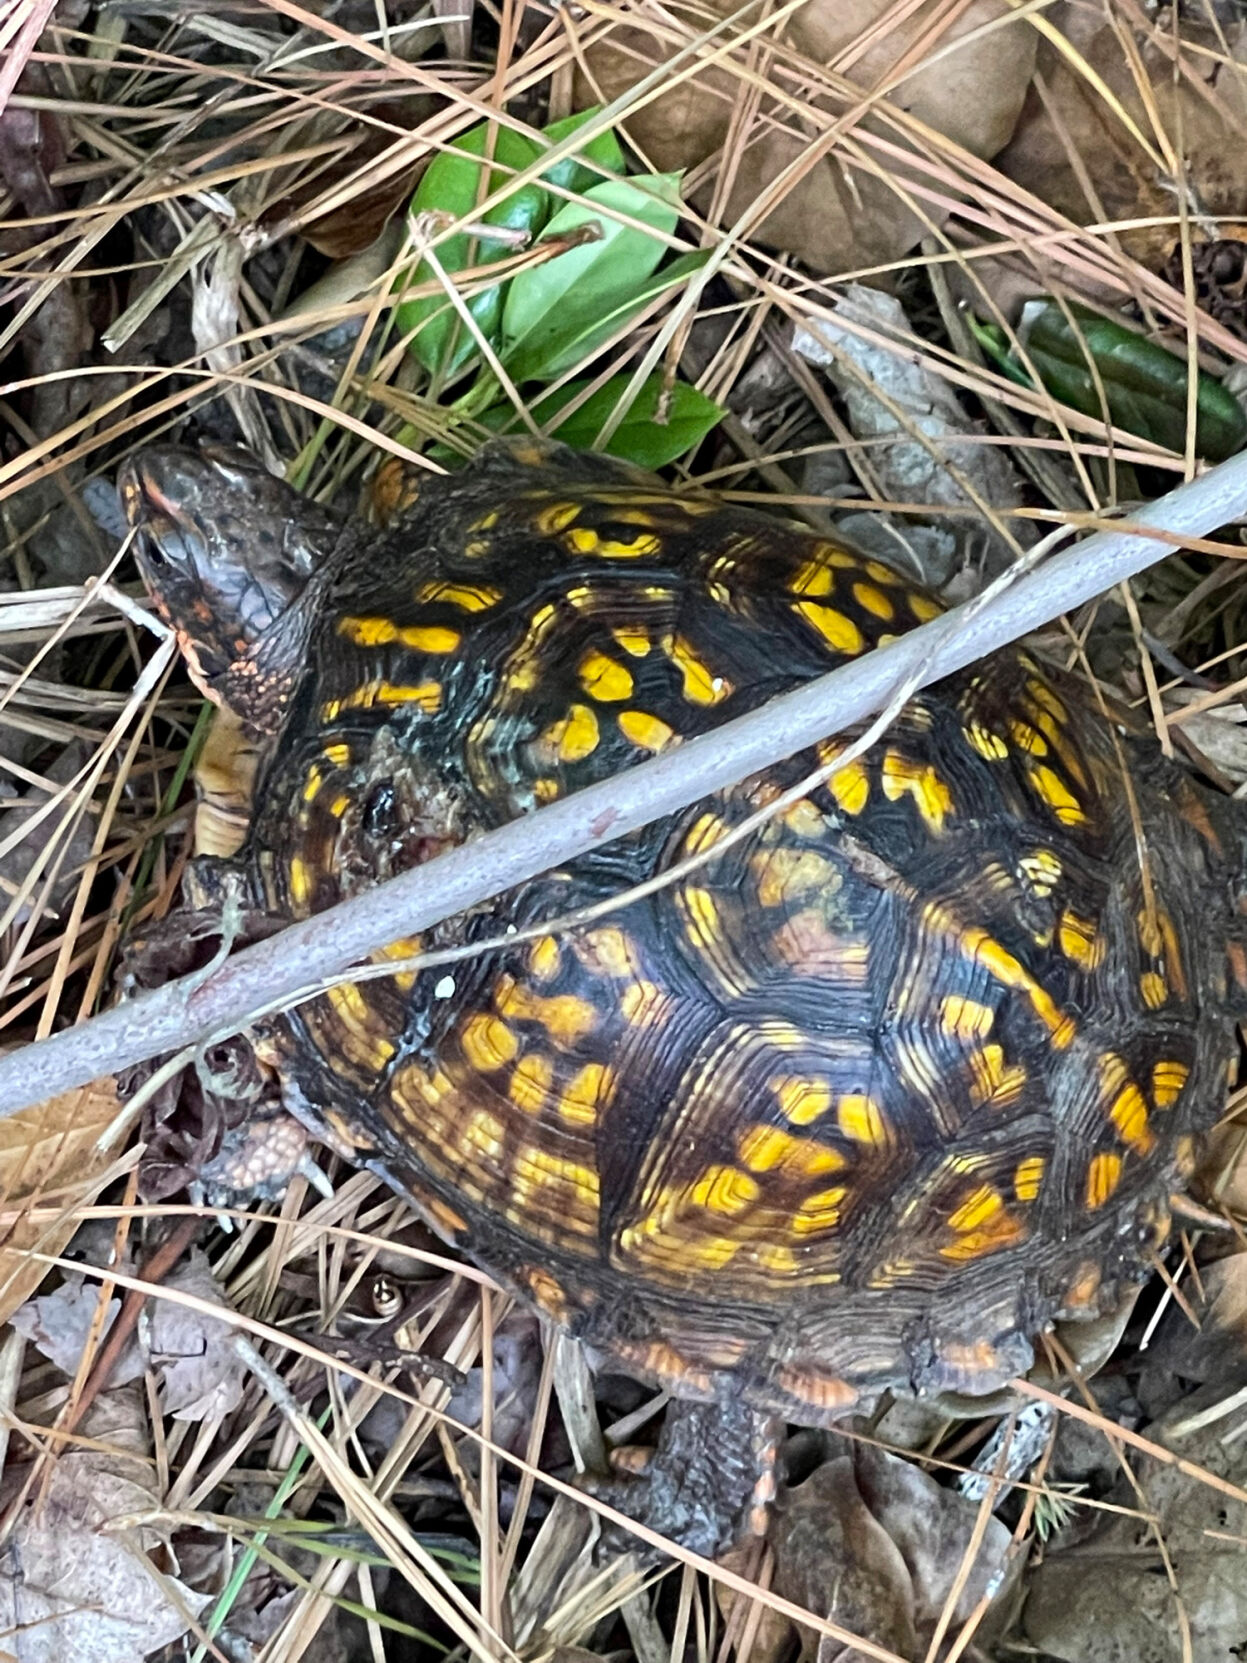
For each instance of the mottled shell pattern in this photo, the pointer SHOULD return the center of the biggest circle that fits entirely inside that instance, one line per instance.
(867, 1099)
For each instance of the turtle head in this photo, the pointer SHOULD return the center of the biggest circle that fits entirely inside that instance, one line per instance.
(228, 552)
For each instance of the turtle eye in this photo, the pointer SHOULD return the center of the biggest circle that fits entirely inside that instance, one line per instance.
(386, 1296)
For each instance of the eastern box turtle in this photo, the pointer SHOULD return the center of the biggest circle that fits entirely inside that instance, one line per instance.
(866, 1100)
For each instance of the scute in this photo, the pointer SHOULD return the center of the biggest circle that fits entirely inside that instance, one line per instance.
(860, 1101)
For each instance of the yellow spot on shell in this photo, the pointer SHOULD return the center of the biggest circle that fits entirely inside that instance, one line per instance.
(585, 1093)
(546, 1291)
(814, 578)
(564, 1017)
(1129, 1115)
(764, 1148)
(923, 607)
(406, 947)
(1042, 870)
(1154, 989)
(711, 1253)
(359, 1040)
(648, 732)
(700, 685)
(879, 573)
(426, 694)
(994, 1080)
(470, 597)
(981, 948)
(339, 805)
(529, 1086)
(838, 630)
(850, 786)
(820, 1211)
(488, 1043)
(544, 958)
(1081, 941)
(1168, 1079)
(487, 522)
(609, 950)
(1103, 1177)
(315, 779)
(635, 642)
(861, 1119)
(337, 755)
(702, 912)
(574, 737)
(706, 831)
(380, 632)
(1027, 1177)
(555, 517)
(483, 1132)
(643, 1004)
(804, 819)
(535, 1168)
(780, 1260)
(300, 881)
(985, 1203)
(581, 540)
(602, 678)
(873, 600)
(1046, 699)
(932, 797)
(1058, 796)
(801, 1100)
(1026, 739)
(966, 1018)
(786, 876)
(989, 745)
(725, 1190)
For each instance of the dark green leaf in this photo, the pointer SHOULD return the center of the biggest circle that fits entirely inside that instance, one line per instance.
(452, 185)
(640, 437)
(604, 152)
(1144, 385)
(548, 306)
(585, 330)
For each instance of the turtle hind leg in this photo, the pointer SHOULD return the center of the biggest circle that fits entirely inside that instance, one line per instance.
(709, 1482)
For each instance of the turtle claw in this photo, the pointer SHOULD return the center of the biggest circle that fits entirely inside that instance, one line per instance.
(709, 1483)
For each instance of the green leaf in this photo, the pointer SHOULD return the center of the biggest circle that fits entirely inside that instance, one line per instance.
(604, 152)
(640, 437)
(584, 333)
(452, 185)
(549, 306)
(1144, 385)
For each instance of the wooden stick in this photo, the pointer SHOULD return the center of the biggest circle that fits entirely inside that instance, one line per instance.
(196, 1009)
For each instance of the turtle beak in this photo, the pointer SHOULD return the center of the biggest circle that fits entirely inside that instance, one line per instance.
(157, 490)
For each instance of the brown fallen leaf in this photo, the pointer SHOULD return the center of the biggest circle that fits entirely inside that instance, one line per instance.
(876, 1544)
(1106, 1597)
(1089, 116)
(834, 1557)
(201, 1374)
(848, 210)
(54, 1160)
(60, 1323)
(78, 1579)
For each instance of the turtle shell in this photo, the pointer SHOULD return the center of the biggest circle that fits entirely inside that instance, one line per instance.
(864, 1098)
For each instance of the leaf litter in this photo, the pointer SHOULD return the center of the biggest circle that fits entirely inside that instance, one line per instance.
(205, 220)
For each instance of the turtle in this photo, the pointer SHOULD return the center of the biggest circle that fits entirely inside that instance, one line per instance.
(862, 1101)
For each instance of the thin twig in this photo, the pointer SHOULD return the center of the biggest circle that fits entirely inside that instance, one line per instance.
(189, 1012)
